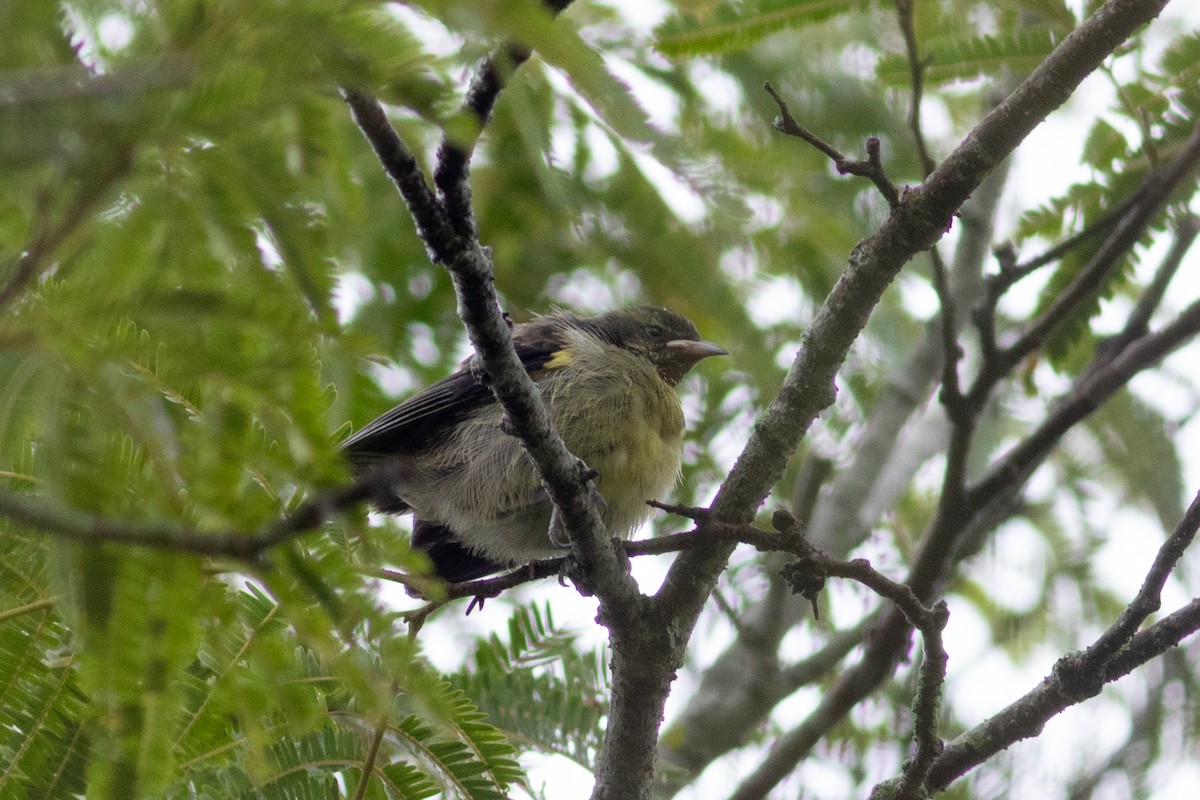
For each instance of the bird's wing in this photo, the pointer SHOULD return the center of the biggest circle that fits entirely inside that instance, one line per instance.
(424, 417)
(452, 560)
(419, 419)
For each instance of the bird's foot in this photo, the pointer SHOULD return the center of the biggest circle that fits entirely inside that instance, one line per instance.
(558, 528)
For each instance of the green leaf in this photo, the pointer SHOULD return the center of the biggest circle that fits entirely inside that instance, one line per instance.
(559, 44)
(406, 781)
(567, 690)
(1181, 60)
(1139, 447)
(35, 35)
(1054, 13)
(1105, 145)
(556, 41)
(132, 665)
(306, 767)
(962, 58)
(731, 26)
(476, 762)
(1081, 206)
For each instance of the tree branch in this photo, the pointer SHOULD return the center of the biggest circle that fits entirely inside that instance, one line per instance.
(1091, 389)
(1186, 229)
(1079, 676)
(401, 166)
(941, 548)
(83, 526)
(871, 168)
(1149, 596)
(916, 224)
(842, 518)
(911, 227)
(1012, 273)
(916, 79)
(951, 394)
(1151, 198)
(445, 222)
(33, 260)
(455, 150)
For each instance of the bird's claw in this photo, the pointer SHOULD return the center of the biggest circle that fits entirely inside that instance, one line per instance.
(558, 528)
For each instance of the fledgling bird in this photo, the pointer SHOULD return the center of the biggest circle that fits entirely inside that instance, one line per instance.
(608, 383)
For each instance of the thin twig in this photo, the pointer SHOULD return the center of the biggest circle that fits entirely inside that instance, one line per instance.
(1149, 596)
(871, 168)
(815, 665)
(83, 526)
(401, 166)
(1081, 675)
(1011, 272)
(730, 612)
(931, 680)
(997, 285)
(35, 258)
(368, 766)
(455, 150)
(1186, 229)
(788, 537)
(916, 77)
(70, 82)
(1138, 323)
(1152, 197)
(951, 393)
(29, 608)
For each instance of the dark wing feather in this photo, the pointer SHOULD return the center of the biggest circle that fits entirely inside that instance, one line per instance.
(452, 560)
(420, 419)
(427, 415)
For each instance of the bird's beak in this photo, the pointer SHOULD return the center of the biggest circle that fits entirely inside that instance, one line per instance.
(688, 351)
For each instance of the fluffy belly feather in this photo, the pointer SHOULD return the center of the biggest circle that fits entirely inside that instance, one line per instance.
(641, 465)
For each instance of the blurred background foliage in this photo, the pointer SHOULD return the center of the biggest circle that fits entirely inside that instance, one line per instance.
(205, 278)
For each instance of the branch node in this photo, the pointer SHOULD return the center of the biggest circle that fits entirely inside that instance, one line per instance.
(806, 577)
(874, 148)
(693, 513)
(783, 521)
(1077, 677)
(872, 168)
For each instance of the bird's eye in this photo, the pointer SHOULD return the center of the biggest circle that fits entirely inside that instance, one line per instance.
(655, 331)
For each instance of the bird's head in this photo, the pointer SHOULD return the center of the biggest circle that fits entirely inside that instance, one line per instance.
(668, 340)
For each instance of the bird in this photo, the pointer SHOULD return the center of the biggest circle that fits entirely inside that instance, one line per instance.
(609, 385)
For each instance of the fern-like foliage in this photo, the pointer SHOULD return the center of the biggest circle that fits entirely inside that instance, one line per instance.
(969, 56)
(565, 690)
(1140, 450)
(43, 745)
(729, 26)
(1168, 94)
(1053, 13)
(226, 737)
(431, 739)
